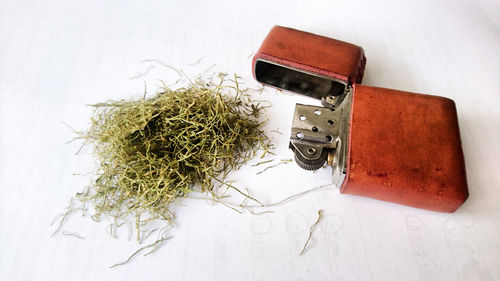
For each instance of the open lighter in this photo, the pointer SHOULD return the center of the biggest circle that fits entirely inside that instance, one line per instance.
(385, 144)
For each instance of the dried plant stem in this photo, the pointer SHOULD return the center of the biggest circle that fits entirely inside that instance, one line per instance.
(229, 185)
(153, 245)
(148, 234)
(197, 61)
(320, 215)
(74, 234)
(69, 209)
(292, 197)
(262, 162)
(242, 207)
(272, 166)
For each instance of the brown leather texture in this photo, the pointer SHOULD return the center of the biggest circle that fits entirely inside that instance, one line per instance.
(405, 148)
(313, 53)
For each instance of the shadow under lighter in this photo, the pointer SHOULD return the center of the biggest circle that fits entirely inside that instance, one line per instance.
(385, 144)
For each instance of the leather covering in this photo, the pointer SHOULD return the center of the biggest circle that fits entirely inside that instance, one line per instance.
(313, 53)
(405, 148)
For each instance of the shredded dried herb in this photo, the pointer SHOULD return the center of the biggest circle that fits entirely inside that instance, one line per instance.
(155, 150)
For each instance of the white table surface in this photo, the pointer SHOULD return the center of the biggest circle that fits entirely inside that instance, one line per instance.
(56, 56)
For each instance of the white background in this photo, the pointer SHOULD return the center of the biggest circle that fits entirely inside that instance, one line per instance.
(57, 56)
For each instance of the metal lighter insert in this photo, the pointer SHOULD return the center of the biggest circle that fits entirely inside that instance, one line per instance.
(385, 144)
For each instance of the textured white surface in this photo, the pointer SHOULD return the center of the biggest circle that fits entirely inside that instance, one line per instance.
(56, 56)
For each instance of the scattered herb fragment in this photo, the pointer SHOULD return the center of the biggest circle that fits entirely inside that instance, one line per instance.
(320, 215)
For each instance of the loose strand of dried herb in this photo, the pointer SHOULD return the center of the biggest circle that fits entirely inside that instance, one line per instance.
(153, 245)
(272, 166)
(74, 234)
(292, 197)
(148, 234)
(197, 61)
(229, 185)
(242, 207)
(262, 162)
(69, 209)
(320, 215)
(142, 74)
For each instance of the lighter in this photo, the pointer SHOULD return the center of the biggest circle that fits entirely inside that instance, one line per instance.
(385, 144)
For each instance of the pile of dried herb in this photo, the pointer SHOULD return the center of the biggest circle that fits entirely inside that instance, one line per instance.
(154, 150)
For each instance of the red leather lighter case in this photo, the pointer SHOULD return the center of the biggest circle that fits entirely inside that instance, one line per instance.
(385, 144)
